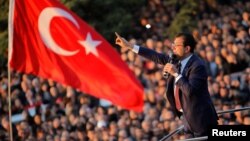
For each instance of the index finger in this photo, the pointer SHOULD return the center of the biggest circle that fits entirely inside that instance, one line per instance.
(117, 35)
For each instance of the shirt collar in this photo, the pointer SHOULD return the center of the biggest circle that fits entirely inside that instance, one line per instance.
(184, 62)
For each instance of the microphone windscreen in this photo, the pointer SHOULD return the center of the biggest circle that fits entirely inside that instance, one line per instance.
(170, 54)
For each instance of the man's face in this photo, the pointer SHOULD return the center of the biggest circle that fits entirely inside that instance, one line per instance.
(179, 48)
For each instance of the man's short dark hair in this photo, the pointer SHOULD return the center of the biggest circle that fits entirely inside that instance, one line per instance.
(188, 40)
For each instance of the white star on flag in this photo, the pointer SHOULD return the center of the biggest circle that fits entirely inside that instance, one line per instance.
(90, 45)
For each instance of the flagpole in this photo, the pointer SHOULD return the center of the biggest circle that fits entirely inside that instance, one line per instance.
(10, 41)
(9, 100)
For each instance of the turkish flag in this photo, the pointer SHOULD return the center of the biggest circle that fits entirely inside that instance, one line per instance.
(48, 40)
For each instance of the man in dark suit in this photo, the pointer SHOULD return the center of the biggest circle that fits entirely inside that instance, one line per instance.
(187, 88)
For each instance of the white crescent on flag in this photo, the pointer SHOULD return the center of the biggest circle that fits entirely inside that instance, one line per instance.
(44, 21)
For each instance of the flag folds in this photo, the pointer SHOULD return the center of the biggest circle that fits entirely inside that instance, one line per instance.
(52, 42)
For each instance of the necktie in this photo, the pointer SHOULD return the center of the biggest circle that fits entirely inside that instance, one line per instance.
(178, 66)
(176, 90)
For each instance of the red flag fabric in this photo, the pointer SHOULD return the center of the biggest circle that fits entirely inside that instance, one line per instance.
(50, 41)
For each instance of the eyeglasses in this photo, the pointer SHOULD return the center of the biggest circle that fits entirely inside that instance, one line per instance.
(174, 45)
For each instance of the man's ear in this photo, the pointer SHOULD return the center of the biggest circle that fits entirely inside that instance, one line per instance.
(187, 49)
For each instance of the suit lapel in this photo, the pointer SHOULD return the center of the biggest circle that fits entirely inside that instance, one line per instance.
(190, 61)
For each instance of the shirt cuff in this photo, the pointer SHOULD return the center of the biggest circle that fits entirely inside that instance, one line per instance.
(177, 78)
(136, 48)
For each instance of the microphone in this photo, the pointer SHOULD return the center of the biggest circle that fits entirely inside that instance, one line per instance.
(171, 61)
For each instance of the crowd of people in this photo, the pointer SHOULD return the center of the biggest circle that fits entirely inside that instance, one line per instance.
(45, 110)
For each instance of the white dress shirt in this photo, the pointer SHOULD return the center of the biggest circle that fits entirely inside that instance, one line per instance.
(183, 64)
